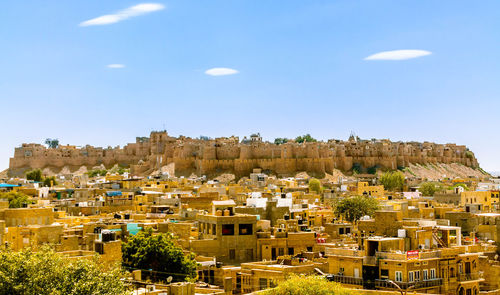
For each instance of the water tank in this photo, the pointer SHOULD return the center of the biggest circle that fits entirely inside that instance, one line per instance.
(218, 213)
(227, 212)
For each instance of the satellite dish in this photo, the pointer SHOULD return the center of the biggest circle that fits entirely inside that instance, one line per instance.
(169, 279)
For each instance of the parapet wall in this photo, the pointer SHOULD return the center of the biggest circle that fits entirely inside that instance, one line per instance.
(229, 155)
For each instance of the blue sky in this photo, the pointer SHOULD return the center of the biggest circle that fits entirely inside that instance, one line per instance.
(300, 66)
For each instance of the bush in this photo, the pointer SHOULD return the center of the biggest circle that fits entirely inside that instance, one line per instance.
(393, 180)
(35, 175)
(354, 208)
(309, 285)
(159, 253)
(47, 272)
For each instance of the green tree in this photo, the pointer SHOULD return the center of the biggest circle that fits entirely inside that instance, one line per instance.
(429, 188)
(354, 208)
(357, 168)
(48, 273)
(35, 175)
(160, 253)
(49, 181)
(305, 138)
(315, 185)
(52, 143)
(97, 172)
(393, 180)
(280, 140)
(308, 285)
(16, 199)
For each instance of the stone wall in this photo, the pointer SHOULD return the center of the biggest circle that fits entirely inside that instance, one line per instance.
(229, 155)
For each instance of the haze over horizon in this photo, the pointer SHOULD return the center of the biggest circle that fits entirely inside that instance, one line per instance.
(102, 73)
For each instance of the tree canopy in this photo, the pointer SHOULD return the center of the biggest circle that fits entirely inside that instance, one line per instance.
(97, 172)
(305, 138)
(158, 252)
(315, 185)
(49, 181)
(354, 208)
(16, 199)
(280, 140)
(35, 175)
(429, 188)
(48, 273)
(52, 142)
(309, 285)
(393, 180)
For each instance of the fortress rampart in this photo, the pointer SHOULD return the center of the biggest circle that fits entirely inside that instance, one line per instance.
(229, 155)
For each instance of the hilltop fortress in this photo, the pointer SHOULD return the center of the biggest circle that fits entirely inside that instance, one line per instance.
(230, 155)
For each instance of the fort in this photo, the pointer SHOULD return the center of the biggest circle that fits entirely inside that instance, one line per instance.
(211, 157)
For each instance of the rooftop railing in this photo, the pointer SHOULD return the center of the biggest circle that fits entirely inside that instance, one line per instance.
(345, 279)
(407, 285)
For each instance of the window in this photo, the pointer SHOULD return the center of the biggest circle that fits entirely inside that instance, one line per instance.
(281, 251)
(410, 276)
(417, 275)
(232, 254)
(228, 229)
(384, 273)
(290, 251)
(309, 249)
(399, 276)
(341, 270)
(425, 274)
(433, 273)
(245, 229)
(262, 283)
(214, 229)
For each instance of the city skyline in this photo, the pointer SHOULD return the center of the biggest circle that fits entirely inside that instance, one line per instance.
(103, 73)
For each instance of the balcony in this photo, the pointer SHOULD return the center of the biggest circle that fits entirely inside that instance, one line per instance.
(345, 280)
(407, 285)
(463, 277)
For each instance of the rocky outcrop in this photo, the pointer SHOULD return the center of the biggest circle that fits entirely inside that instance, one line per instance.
(229, 155)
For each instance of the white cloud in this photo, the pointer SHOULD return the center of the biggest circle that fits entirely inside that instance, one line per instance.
(124, 14)
(221, 71)
(398, 54)
(116, 66)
